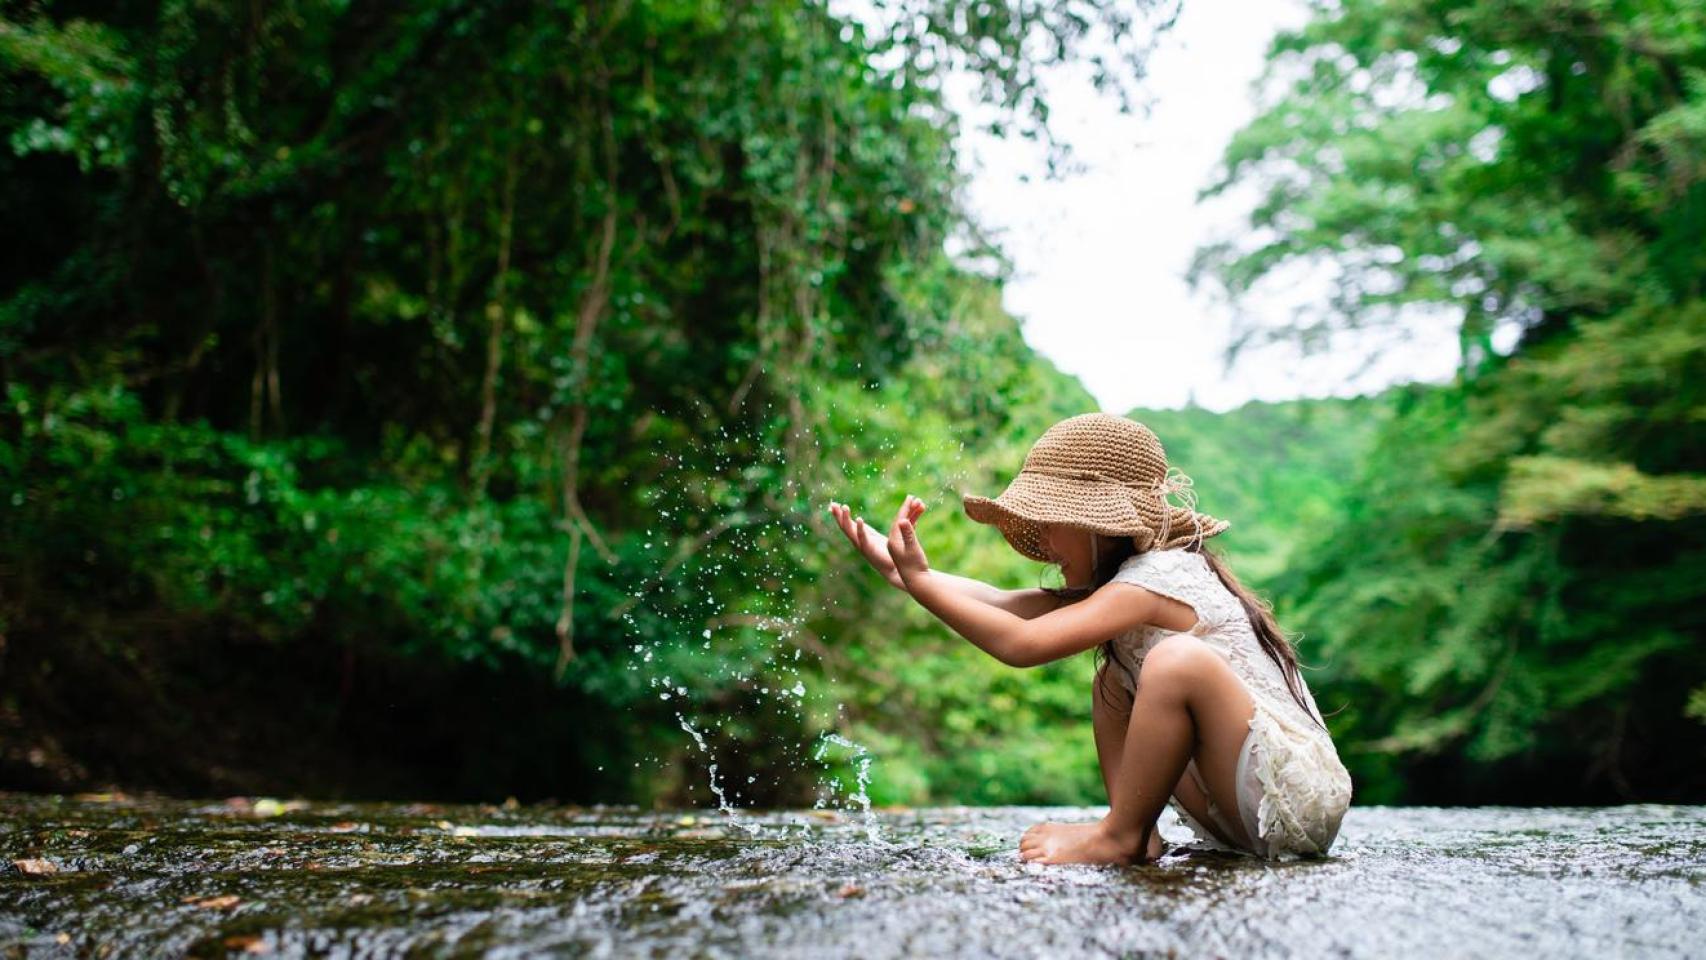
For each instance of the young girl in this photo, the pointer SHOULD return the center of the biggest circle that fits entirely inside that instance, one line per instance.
(1198, 701)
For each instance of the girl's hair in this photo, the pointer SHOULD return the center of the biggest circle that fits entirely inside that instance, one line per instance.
(1273, 642)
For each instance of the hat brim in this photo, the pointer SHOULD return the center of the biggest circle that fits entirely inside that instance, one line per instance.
(1031, 501)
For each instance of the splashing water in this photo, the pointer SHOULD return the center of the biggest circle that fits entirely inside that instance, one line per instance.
(728, 809)
(735, 582)
(862, 776)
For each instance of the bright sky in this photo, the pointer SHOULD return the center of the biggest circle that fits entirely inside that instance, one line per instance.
(1101, 255)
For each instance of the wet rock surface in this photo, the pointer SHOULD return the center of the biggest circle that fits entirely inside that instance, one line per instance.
(142, 877)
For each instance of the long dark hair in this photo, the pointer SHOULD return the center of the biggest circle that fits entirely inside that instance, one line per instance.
(1112, 552)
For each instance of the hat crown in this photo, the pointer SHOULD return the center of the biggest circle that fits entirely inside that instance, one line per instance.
(1102, 473)
(1100, 446)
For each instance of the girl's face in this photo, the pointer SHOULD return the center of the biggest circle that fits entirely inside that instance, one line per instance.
(1071, 547)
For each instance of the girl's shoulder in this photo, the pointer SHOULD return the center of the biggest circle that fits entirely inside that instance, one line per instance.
(1165, 569)
(1177, 559)
(1183, 575)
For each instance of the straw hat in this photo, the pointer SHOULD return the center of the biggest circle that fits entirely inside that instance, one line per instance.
(1102, 473)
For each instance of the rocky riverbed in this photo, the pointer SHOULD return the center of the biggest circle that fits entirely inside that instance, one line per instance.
(100, 876)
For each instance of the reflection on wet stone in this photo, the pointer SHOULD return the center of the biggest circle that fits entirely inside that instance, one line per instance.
(114, 876)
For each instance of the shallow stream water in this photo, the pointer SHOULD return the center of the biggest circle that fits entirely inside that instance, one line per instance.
(116, 876)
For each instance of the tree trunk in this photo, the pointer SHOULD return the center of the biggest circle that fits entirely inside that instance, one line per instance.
(497, 318)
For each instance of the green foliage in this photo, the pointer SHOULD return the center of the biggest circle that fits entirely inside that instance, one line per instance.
(1274, 470)
(469, 333)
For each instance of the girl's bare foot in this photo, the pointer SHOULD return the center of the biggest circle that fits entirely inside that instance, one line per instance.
(1082, 843)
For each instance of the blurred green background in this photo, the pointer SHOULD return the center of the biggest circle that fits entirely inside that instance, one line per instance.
(442, 400)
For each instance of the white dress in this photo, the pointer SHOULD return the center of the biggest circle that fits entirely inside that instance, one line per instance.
(1292, 789)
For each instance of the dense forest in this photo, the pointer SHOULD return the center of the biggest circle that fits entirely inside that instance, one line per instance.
(443, 401)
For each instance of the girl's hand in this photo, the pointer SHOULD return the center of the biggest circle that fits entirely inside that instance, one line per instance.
(868, 542)
(904, 548)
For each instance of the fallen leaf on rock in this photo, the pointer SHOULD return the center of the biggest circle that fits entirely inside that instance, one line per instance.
(269, 807)
(248, 944)
(224, 901)
(35, 868)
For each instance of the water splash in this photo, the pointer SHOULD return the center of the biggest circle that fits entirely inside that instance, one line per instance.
(752, 828)
(861, 776)
(716, 603)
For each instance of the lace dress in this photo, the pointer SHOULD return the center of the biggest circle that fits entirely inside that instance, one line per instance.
(1292, 789)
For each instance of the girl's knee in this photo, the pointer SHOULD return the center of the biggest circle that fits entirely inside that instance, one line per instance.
(1177, 658)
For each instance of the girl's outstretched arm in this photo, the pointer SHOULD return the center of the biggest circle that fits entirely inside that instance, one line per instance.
(1027, 604)
(874, 547)
(1112, 610)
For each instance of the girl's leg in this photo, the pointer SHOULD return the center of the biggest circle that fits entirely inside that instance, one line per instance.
(1112, 717)
(1189, 704)
(1111, 714)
